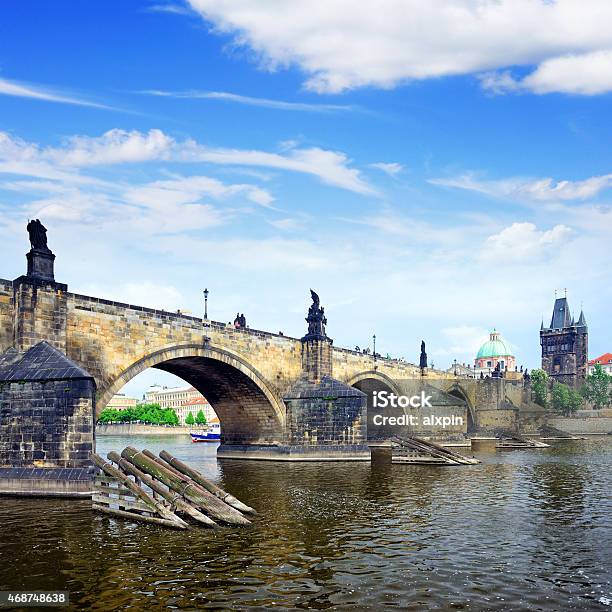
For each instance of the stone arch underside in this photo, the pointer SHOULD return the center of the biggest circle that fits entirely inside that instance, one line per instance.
(368, 383)
(458, 392)
(248, 408)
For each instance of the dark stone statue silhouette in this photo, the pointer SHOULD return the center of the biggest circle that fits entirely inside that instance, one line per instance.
(423, 357)
(38, 235)
(316, 318)
(40, 258)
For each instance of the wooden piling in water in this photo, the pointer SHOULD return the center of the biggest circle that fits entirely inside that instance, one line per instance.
(435, 450)
(201, 480)
(174, 498)
(151, 505)
(201, 498)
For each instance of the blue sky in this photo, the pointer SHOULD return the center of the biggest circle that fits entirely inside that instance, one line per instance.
(432, 171)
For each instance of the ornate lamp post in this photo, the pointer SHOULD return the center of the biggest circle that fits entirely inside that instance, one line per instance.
(206, 304)
(455, 366)
(374, 344)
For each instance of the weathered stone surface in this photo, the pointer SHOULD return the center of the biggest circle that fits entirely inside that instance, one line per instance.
(48, 482)
(326, 412)
(46, 409)
(40, 264)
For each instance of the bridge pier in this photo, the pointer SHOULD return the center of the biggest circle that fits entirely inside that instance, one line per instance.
(326, 420)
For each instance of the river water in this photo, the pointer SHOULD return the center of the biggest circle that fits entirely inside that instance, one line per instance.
(524, 530)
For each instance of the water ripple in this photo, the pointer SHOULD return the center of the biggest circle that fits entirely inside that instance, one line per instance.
(525, 530)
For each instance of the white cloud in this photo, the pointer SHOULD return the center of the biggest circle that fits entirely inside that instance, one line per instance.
(392, 168)
(585, 74)
(342, 44)
(113, 147)
(185, 190)
(173, 9)
(287, 224)
(253, 101)
(522, 241)
(534, 190)
(120, 147)
(331, 167)
(39, 92)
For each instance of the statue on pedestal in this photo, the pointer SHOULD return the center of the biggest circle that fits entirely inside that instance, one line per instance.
(38, 235)
(316, 317)
(40, 258)
(423, 357)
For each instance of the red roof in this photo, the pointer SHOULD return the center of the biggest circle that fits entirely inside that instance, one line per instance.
(605, 358)
(196, 401)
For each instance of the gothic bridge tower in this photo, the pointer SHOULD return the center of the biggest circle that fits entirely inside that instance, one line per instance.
(565, 346)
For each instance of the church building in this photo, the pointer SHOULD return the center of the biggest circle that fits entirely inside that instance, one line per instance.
(495, 351)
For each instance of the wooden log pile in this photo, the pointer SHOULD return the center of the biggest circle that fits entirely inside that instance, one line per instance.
(165, 491)
(410, 449)
(510, 439)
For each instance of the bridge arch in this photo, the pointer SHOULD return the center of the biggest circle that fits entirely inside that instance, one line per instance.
(248, 408)
(380, 380)
(457, 391)
(370, 382)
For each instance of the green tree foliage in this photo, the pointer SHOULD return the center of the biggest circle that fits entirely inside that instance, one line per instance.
(189, 420)
(153, 414)
(200, 418)
(539, 386)
(565, 400)
(597, 388)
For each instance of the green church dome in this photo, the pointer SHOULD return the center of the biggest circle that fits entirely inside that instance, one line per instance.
(495, 346)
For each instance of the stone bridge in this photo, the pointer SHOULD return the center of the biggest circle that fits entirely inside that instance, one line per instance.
(249, 376)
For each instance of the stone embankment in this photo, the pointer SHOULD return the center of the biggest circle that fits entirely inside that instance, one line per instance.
(585, 422)
(140, 429)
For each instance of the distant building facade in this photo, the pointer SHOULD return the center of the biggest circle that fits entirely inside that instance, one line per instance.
(605, 361)
(183, 400)
(194, 406)
(565, 345)
(120, 401)
(495, 351)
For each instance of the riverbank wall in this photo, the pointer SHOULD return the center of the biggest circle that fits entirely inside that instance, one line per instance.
(140, 429)
(585, 422)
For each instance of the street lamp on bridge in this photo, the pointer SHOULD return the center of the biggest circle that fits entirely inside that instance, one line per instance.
(205, 304)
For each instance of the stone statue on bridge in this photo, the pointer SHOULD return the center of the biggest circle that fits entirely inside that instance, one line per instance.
(38, 235)
(316, 318)
(423, 357)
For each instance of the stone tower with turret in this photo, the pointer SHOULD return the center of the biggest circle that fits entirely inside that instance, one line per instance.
(565, 346)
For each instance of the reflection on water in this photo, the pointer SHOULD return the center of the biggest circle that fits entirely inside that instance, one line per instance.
(523, 530)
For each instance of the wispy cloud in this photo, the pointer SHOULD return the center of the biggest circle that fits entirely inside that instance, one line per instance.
(39, 92)
(530, 189)
(121, 146)
(392, 168)
(253, 101)
(172, 8)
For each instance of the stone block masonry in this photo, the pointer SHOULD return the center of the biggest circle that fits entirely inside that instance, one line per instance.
(46, 422)
(7, 315)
